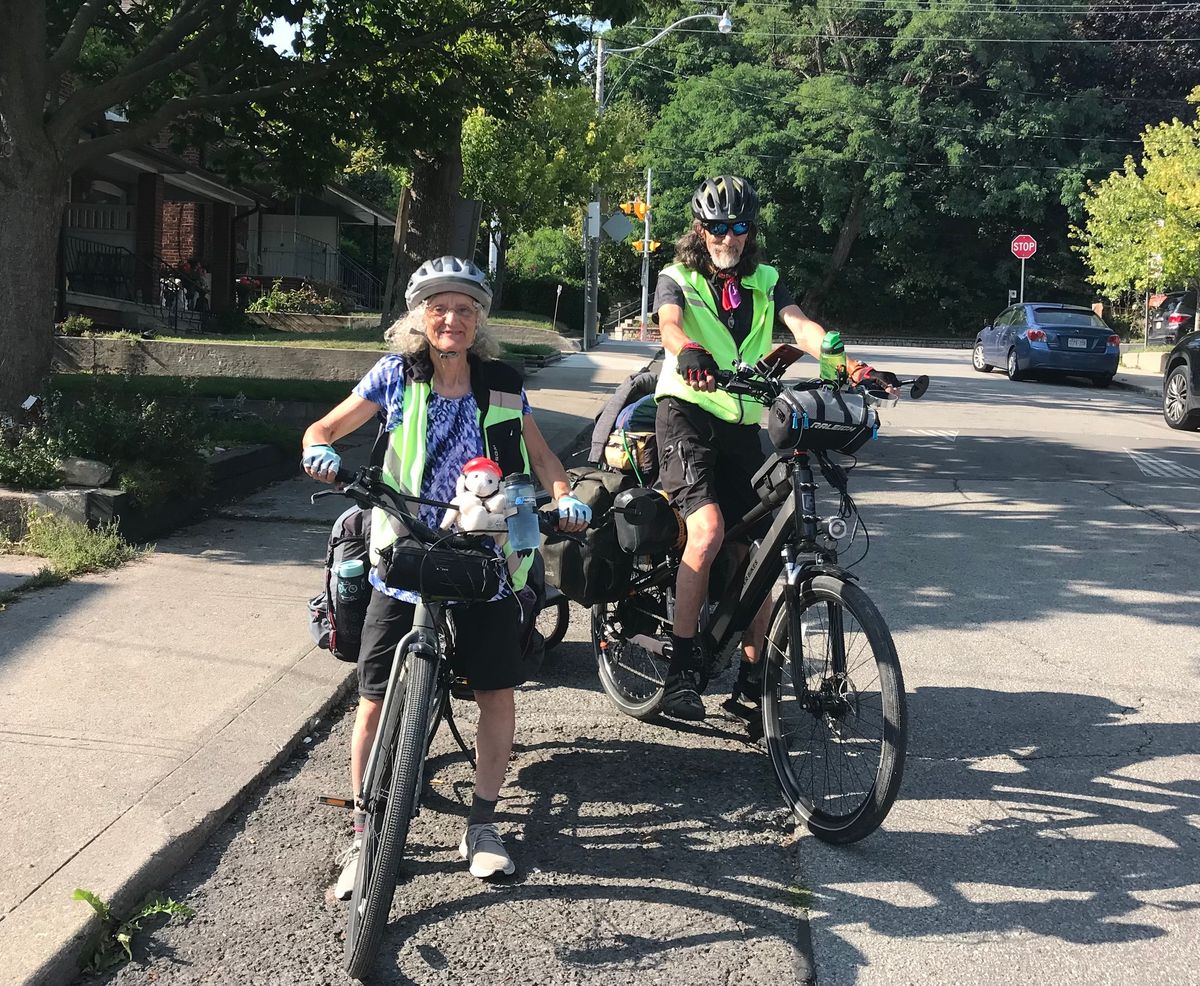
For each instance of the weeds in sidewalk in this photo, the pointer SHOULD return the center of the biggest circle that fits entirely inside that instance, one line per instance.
(114, 946)
(69, 547)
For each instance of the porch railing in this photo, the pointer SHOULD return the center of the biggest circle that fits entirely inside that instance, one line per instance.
(311, 259)
(102, 218)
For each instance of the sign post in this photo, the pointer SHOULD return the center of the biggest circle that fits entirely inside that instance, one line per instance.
(1023, 247)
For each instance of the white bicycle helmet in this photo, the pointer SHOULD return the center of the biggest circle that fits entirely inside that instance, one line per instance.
(448, 274)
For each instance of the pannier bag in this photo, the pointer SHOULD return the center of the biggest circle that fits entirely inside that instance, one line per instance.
(820, 421)
(646, 522)
(348, 541)
(632, 447)
(597, 570)
(445, 572)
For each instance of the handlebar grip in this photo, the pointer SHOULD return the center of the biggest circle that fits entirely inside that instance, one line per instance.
(547, 521)
(344, 475)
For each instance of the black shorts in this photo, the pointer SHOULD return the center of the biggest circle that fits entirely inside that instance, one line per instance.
(707, 460)
(487, 643)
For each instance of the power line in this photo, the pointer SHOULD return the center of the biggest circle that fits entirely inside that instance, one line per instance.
(903, 39)
(915, 123)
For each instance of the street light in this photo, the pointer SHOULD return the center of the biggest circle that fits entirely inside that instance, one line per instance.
(592, 224)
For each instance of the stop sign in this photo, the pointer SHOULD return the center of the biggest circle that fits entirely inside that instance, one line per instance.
(1024, 246)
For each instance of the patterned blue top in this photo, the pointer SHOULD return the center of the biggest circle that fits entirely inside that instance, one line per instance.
(453, 437)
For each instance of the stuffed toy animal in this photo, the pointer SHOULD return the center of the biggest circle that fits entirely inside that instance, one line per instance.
(479, 504)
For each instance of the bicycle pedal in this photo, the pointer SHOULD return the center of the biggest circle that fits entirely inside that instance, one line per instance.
(739, 709)
(461, 689)
(346, 803)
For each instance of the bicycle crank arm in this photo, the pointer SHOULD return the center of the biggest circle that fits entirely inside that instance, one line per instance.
(651, 645)
(347, 803)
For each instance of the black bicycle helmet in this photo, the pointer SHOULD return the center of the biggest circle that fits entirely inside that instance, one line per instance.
(726, 198)
(448, 274)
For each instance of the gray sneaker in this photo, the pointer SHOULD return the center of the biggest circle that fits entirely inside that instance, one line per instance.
(348, 861)
(482, 848)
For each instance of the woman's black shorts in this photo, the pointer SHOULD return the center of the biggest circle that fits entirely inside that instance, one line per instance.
(487, 643)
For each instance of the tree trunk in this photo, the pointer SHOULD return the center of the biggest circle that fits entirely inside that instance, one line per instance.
(32, 199)
(501, 274)
(851, 227)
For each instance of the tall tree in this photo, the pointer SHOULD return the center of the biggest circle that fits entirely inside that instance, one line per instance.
(80, 80)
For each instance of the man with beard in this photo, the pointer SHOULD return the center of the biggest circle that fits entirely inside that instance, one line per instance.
(716, 304)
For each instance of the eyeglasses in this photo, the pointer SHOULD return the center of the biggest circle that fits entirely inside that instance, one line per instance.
(464, 313)
(720, 229)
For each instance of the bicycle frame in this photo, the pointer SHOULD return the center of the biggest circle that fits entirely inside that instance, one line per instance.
(422, 642)
(791, 536)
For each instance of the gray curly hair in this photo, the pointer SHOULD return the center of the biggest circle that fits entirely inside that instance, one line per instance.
(407, 334)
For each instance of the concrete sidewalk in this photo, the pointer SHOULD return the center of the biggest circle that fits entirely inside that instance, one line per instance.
(138, 707)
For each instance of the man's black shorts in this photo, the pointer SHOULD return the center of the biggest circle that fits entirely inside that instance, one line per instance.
(707, 460)
(487, 643)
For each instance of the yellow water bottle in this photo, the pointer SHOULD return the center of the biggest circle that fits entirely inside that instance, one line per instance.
(833, 358)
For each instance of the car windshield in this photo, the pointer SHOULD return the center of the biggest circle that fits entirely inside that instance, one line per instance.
(1069, 317)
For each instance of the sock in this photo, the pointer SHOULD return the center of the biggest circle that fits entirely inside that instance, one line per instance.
(360, 823)
(682, 649)
(749, 680)
(483, 811)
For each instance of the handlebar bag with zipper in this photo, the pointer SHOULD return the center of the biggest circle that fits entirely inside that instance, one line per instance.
(823, 420)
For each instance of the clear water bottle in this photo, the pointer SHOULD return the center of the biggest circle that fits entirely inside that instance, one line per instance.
(523, 532)
(351, 593)
(833, 357)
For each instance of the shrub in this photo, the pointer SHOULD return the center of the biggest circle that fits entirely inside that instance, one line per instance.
(75, 325)
(304, 299)
(73, 548)
(29, 458)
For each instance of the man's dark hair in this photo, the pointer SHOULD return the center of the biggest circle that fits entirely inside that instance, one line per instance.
(691, 252)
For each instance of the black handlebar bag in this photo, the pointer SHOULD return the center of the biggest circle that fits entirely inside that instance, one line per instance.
(445, 571)
(823, 420)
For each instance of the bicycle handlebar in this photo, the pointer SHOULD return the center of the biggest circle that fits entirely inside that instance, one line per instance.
(365, 489)
(765, 386)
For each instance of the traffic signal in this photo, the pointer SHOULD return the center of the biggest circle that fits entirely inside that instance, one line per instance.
(639, 209)
(627, 207)
(640, 245)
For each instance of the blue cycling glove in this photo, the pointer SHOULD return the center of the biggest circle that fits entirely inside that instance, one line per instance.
(573, 510)
(321, 462)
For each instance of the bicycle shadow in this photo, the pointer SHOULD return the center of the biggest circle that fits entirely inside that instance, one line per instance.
(1038, 814)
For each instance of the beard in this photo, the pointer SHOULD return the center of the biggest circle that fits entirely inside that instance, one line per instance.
(725, 256)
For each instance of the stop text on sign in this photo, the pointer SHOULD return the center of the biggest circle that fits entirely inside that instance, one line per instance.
(1024, 246)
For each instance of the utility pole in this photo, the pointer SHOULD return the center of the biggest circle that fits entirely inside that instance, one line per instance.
(646, 261)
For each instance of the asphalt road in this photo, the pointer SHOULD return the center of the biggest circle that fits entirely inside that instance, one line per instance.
(1033, 546)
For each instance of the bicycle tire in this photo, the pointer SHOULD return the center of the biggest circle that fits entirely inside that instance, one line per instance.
(834, 711)
(375, 885)
(554, 617)
(618, 676)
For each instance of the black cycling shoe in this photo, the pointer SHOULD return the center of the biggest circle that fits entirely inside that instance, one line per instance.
(681, 697)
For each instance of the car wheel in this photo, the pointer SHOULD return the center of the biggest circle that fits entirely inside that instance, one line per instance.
(1102, 379)
(1176, 392)
(1014, 371)
(978, 361)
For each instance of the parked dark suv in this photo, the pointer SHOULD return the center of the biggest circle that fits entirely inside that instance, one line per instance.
(1181, 384)
(1175, 317)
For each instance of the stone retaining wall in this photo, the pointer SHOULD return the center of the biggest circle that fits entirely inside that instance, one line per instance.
(1136, 359)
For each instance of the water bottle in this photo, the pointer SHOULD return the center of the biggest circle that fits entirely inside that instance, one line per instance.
(351, 593)
(833, 357)
(523, 531)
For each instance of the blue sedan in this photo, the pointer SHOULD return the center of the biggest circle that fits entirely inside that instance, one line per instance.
(1037, 337)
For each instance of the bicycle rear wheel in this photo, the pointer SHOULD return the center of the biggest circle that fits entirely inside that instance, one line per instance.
(631, 676)
(552, 621)
(833, 709)
(391, 805)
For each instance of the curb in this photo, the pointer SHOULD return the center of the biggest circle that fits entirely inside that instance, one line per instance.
(1138, 388)
(46, 937)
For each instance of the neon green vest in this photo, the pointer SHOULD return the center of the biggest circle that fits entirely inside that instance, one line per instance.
(404, 461)
(702, 325)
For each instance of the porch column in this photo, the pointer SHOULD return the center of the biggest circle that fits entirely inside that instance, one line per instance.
(148, 238)
(220, 253)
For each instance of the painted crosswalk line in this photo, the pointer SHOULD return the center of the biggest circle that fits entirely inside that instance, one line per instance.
(1156, 468)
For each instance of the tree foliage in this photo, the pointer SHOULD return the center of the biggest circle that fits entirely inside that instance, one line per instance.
(1143, 222)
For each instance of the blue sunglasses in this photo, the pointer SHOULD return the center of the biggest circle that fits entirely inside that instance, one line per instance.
(720, 229)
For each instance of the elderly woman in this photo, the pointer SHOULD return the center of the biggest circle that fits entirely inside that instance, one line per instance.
(445, 368)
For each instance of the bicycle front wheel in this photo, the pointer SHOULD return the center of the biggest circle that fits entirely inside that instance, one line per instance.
(389, 815)
(833, 709)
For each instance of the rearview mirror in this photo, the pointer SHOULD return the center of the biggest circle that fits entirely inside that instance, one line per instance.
(920, 385)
